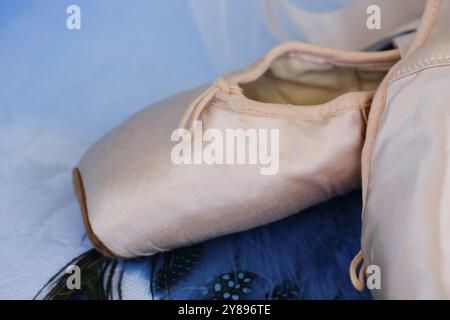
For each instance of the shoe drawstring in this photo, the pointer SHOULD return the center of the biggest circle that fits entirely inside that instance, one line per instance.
(201, 102)
(358, 280)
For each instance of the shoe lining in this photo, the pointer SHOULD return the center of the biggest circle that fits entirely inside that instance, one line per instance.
(299, 82)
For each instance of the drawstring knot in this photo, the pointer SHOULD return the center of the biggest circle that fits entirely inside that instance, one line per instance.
(195, 109)
(222, 85)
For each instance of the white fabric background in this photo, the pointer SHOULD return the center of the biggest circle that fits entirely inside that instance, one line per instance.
(60, 90)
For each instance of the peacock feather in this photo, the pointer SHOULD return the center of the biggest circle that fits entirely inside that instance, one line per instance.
(305, 256)
(230, 286)
(175, 267)
(99, 281)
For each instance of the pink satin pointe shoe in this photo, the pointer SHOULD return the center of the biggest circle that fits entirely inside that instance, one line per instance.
(175, 174)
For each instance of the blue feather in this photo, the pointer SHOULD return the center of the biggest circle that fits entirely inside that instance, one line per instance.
(309, 253)
(305, 256)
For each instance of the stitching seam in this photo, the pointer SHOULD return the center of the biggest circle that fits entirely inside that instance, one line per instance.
(321, 116)
(385, 89)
